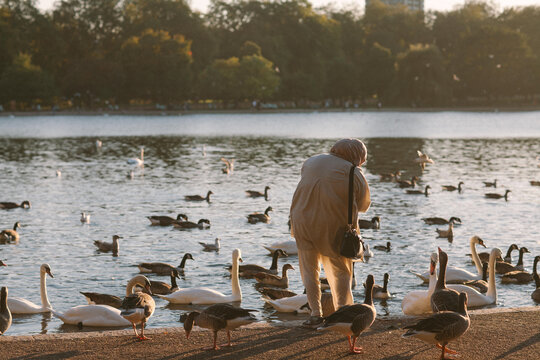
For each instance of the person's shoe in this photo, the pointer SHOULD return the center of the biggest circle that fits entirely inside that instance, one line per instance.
(313, 322)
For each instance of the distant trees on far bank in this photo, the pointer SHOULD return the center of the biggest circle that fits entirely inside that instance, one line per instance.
(88, 53)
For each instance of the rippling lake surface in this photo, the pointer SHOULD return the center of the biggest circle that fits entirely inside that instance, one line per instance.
(269, 150)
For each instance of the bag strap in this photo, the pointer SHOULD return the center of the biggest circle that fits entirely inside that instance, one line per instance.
(351, 194)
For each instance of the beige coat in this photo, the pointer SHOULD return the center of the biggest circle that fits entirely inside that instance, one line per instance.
(319, 205)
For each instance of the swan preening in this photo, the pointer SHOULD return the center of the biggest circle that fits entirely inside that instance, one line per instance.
(23, 306)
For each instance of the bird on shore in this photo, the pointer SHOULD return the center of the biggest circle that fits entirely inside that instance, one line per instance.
(113, 246)
(211, 247)
(11, 205)
(423, 159)
(10, 235)
(498, 196)
(443, 298)
(5, 314)
(166, 220)
(374, 223)
(199, 197)
(453, 188)
(137, 309)
(440, 221)
(256, 217)
(254, 194)
(137, 161)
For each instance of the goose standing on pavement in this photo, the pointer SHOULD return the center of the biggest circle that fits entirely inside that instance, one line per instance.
(254, 194)
(104, 246)
(199, 197)
(536, 293)
(137, 309)
(11, 205)
(5, 314)
(164, 268)
(23, 306)
(443, 298)
(374, 223)
(10, 235)
(258, 217)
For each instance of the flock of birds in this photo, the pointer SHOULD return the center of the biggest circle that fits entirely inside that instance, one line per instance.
(447, 298)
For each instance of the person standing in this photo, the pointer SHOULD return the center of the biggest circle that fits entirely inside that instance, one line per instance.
(319, 219)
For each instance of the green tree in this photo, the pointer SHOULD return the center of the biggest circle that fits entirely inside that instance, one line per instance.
(220, 80)
(378, 71)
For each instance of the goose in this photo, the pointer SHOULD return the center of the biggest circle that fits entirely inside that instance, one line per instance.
(9, 235)
(162, 288)
(419, 192)
(203, 295)
(164, 268)
(107, 246)
(229, 166)
(23, 306)
(441, 221)
(390, 176)
(254, 194)
(211, 247)
(166, 220)
(275, 280)
(453, 188)
(535, 183)
(5, 314)
(219, 317)
(137, 161)
(490, 184)
(443, 298)
(423, 159)
(367, 251)
(288, 246)
(441, 328)
(407, 183)
(275, 294)
(498, 196)
(418, 302)
(484, 256)
(351, 320)
(201, 224)
(480, 285)
(386, 248)
(199, 197)
(536, 293)
(11, 205)
(382, 292)
(137, 309)
(517, 277)
(447, 234)
(258, 217)
(85, 218)
(504, 267)
(249, 270)
(94, 298)
(374, 223)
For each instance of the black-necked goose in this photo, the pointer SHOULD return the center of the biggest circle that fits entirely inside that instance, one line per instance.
(536, 293)
(5, 314)
(11, 205)
(517, 276)
(441, 221)
(254, 193)
(275, 280)
(211, 247)
(408, 183)
(423, 159)
(10, 235)
(374, 223)
(351, 320)
(104, 246)
(498, 196)
(218, 317)
(504, 267)
(199, 197)
(249, 270)
(162, 288)
(484, 256)
(275, 294)
(166, 220)
(381, 292)
(94, 298)
(490, 184)
(453, 188)
(443, 299)
(137, 309)
(443, 327)
(258, 217)
(201, 224)
(386, 248)
(164, 268)
(420, 192)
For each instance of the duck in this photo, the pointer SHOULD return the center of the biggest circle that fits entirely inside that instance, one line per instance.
(256, 217)
(453, 188)
(484, 256)
(480, 285)
(199, 197)
(490, 184)
(201, 224)
(504, 267)
(219, 317)
(351, 320)
(423, 159)
(249, 270)
(137, 309)
(381, 292)
(137, 161)
(211, 247)
(166, 220)
(443, 298)
(536, 293)
(94, 298)
(441, 221)
(10, 235)
(447, 234)
(276, 294)
(5, 314)
(107, 246)
(418, 302)
(498, 196)
(390, 176)
(275, 280)
(85, 218)
(11, 205)
(374, 223)
(164, 268)
(386, 248)
(254, 194)
(288, 246)
(203, 295)
(408, 183)
(419, 192)
(229, 166)
(367, 251)
(23, 306)
(441, 328)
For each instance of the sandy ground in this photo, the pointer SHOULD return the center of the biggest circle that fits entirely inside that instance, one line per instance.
(494, 334)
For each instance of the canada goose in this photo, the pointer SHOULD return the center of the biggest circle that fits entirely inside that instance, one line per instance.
(517, 277)
(166, 220)
(254, 194)
(218, 317)
(199, 197)
(10, 235)
(423, 159)
(381, 292)
(453, 188)
(443, 298)
(390, 176)
(229, 166)
(498, 196)
(535, 183)
(448, 234)
(11, 205)
(107, 246)
(5, 314)
(536, 293)
(249, 270)
(480, 285)
(163, 268)
(211, 247)
(386, 248)
(137, 309)
(275, 294)
(275, 280)
(137, 161)
(95, 298)
(374, 223)
(258, 217)
(408, 183)
(504, 267)
(490, 184)
(441, 221)
(162, 288)
(441, 328)
(85, 218)
(201, 224)
(484, 256)
(420, 192)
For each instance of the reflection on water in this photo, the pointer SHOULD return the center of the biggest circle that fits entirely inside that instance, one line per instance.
(95, 181)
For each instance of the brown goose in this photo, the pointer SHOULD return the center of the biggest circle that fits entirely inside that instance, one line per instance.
(443, 299)
(162, 288)
(536, 293)
(199, 197)
(11, 205)
(275, 280)
(254, 194)
(490, 184)
(447, 234)
(248, 271)
(10, 235)
(381, 292)
(5, 314)
(504, 267)
(408, 183)
(374, 223)
(107, 246)
(94, 298)
(218, 317)
(480, 285)
(484, 256)
(453, 188)
(351, 320)
(275, 294)
(390, 176)
(498, 196)
(201, 224)
(138, 308)
(441, 328)
(386, 248)
(163, 268)
(517, 277)
(419, 192)
(166, 220)
(441, 221)
(258, 217)
(535, 183)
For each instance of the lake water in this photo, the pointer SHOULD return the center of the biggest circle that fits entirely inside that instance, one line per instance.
(269, 150)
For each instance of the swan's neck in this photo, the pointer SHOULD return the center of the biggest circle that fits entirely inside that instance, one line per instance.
(492, 288)
(476, 258)
(235, 284)
(142, 154)
(130, 285)
(43, 290)
(520, 260)
(432, 282)
(274, 261)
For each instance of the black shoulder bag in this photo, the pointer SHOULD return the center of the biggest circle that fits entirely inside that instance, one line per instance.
(352, 246)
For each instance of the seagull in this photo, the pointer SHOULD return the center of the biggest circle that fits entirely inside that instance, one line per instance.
(211, 247)
(85, 218)
(423, 159)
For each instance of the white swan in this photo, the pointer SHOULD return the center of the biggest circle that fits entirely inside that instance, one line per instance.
(22, 306)
(206, 295)
(137, 161)
(93, 315)
(367, 251)
(457, 275)
(418, 302)
(289, 304)
(85, 218)
(288, 246)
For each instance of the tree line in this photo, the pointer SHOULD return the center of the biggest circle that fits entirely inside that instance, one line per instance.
(87, 53)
